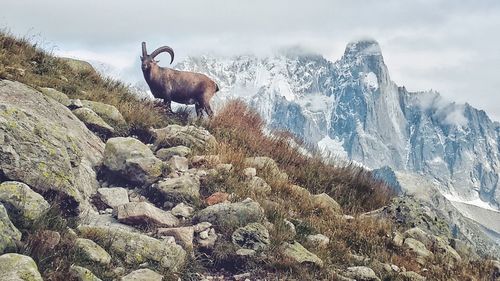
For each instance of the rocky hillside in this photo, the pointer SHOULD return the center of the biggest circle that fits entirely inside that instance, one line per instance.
(96, 184)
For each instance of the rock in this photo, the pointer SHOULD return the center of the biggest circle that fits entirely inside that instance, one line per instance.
(224, 168)
(183, 235)
(137, 248)
(182, 210)
(325, 202)
(249, 172)
(318, 240)
(82, 274)
(207, 239)
(410, 276)
(113, 196)
(418, 234)
(444, 249)
(185, 188)
(107, 112)
(204, 160)
(253, 236)
(145, 213)
(74, 104)
(24, 205)
(190, 136)
(166, 153)
(297, 253)
(398, 239)
(93, 121)
(18, 267)
(132, 159)
(143, 275)
(202, 226)
(419, 249)
(290, 229)
(259, 186)
(217, 198)
(56, 95)
(299, 191)
(361, 273)
(266, 164)
(43, 145)
(89, 251)
(9, 234)
(231, 214)
(245, 252)
(178, 163)
(79, 66)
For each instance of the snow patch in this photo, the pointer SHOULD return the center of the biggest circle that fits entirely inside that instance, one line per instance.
(331, 147)
(370, 80)
(475, 202)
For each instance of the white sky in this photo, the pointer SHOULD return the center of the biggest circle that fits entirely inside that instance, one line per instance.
(449, 46)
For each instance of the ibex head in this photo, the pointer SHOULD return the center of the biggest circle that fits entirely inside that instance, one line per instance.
(148, 61)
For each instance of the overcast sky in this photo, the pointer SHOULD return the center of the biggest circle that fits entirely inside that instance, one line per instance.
(449, 46)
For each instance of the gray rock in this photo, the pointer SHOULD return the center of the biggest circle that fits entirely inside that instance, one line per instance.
(137, 248)
(202, 226)
(182, 210)
(56, 95)
(246, 252)
(259, 186)
(190, 136)
(82, 274)
(418, 234)
(140, 213)
(361, 273)
(79, 66)
(232, 214)
(419, 249)
(318, 240)
(45, 146)
(253, 236)
(207, 239)
(183, 188)
(132, 159)
(325, 202)
(250, 172)
(93, 121)
(178, 163)
(165, 153)
(9, 234)
(17, 267)
(266, 164)
(143, 275)
(74, 104)
(183, 235)
(224, 167)
(107, 112)
(91, 252)
(113, 196)
(297, 253)
(25, 205)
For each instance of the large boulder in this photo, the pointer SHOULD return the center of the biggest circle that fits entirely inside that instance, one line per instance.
(25, 205)
(176, 190)
(93, 121)
(190, 136)
(324, 202)
(9, 234)
(132, 159)
(231, 214)
(297, 253)
(113, 196)
(253, 236)
(107, 112)
(137, 248)
(45, 146)
(17, 267)
(56, 95)
(142, 213)
(79, 65)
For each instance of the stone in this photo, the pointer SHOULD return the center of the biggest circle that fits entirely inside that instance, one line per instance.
(182, 210)
(137, 248)
(18, 267)
(91, 252)
(140, 213)
(418, 234)
(398, 239)
(183, 235)
(45, 146)
(253, 236)
(144, 274)
(224, 167)
(178, 163)
(217, 198)
(56, 95)
(410, 276)
(245, 252)
(24, 205)
(113, 196)
(318, 240)
(231, 214)
(79, 66)
(266, 164)
(166, 153)
(202, 226)
(361, 273)
(82, 274)
(258, 186)
(190, 136)
(249, 172)
(107, 112)
(297, 253)
(205, 160)
(325, 202)
(132, 159)
(208, 241)
(290, 229)
(93, 121)
(185, 188)
(419, 249)
(9, 234)
(74, 104)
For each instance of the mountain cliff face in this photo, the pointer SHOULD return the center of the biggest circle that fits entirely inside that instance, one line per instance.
(352, 108)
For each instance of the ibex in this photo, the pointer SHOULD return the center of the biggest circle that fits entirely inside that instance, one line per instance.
(178, 86)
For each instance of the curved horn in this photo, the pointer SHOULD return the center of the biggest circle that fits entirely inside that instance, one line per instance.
(144, 52)
(164, 49)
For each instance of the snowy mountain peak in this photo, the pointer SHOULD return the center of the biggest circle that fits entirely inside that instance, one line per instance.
(367, 47)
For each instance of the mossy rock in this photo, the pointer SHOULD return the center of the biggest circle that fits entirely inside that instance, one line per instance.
(18, 267)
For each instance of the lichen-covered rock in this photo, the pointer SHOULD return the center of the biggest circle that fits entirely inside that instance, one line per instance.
(182, 210)
(190, 136)
(297, 253)
(419, 249)
(233, 214)
(24, 205)
(45, 146)
(93, 121)
(183, 188)
(207, 238)
(132, 159)
(177, 163)
(113, 196)
(9, 234)
(361, 273)
(79, 65)
(137, 248)
(144, 274)
(107, 112)
(253, 236)
(141, 213)
(89, 251)
(56, 95)
(318, 240)
(325, 202)
(183, 235)
(166, 153)
(18, 267)
(259, 186)
(82, 274)
(418, 234)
